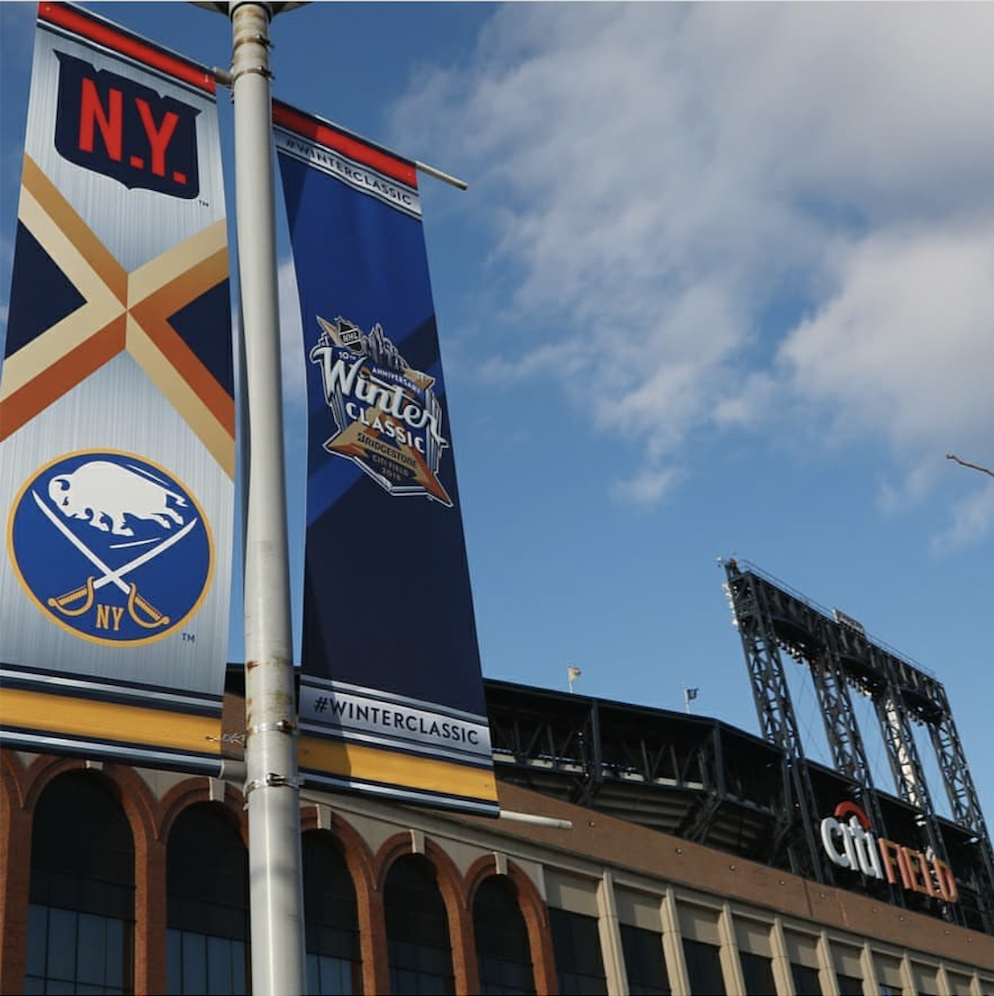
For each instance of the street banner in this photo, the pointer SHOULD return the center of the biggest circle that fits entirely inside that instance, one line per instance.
(117, 416)
(391, 694)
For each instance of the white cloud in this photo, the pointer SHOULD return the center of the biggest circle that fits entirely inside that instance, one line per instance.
(973, 520)
(676, 184)
(751, 406)
(906, 344)
(551, 357)
(647, 487)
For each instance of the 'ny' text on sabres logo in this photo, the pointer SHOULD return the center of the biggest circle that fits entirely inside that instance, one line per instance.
(115, 126)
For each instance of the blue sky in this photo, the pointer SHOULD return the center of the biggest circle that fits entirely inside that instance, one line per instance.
(722, 284)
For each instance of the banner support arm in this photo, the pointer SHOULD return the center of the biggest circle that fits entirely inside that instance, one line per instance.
(453, 181)
(223, 78)
(535, 820)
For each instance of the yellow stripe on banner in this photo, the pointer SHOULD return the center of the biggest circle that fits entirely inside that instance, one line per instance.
(82, 261)
(182, 397)
(182, 262)
(374, 764)
(58, 714)
(73, 243)
(39, 355)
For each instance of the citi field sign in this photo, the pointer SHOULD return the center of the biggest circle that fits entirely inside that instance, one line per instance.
(850, 842)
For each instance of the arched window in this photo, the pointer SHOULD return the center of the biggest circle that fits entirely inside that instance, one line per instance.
(207, 886)
(501, 940)
(418, 945)
(332, 928)
(82, 899)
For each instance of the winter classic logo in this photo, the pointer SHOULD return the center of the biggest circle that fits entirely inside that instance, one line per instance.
(111, 547)
(388, 419)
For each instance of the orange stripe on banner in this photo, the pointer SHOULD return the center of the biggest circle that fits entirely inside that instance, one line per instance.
(96, 254)
(36, 356)
(218, 440)
(152, 313)
(186, 363)
(63, 375)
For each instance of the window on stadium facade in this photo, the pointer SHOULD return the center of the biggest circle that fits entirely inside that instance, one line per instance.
(334, 963)
(577, 945)
(644, 962)
(207, 904)
(849, 985)
(81, 900)
(418, 946)
(806, 981)
(757, 972)
(502, 949)
(704, 968)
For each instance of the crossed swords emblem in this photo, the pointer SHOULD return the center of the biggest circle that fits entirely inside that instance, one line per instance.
(153, 617)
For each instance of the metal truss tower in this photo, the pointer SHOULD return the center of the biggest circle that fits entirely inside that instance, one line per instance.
(775, 622)
(755, 611)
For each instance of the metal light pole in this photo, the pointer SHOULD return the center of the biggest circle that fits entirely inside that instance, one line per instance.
(272, 783)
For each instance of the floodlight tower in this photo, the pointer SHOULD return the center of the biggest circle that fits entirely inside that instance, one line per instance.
(841, 659)
(754, 618)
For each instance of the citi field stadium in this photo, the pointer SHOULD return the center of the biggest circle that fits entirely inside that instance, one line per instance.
(364, 812)
(667, 852)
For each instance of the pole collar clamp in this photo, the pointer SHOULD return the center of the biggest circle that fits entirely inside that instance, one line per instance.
(280, 726)
(258, 70)
(272, 780)
(256, 39)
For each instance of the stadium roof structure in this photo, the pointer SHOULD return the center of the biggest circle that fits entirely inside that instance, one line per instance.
(710, 783)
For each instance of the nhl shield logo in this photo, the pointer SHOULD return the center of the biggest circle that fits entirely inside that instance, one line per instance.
(111, 547)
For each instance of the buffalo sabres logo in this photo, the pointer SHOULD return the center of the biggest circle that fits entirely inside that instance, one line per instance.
(111, 547)
(388, 420)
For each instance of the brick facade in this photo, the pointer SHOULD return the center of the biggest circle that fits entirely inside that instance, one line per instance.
(633, 875)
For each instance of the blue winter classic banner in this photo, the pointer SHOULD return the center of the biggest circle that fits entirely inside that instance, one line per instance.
(390, 660)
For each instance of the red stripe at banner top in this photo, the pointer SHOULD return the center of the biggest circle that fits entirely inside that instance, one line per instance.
(340, 141)
(126, 44)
